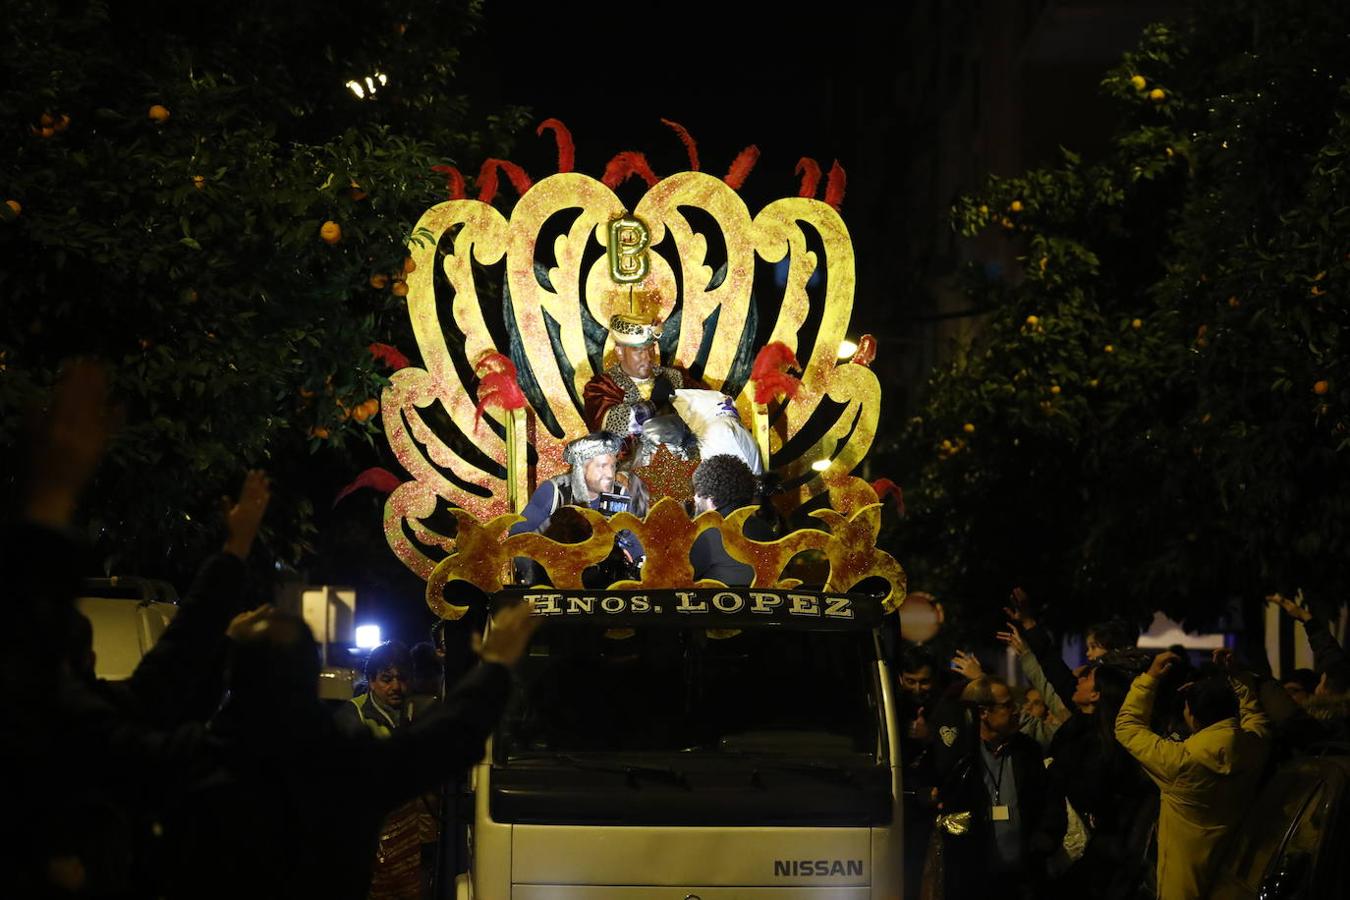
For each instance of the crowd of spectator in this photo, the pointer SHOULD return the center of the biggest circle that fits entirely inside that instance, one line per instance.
(215, 770)
(1125, 777)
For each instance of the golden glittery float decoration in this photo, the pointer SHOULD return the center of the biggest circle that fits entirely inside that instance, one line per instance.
(687, 252)
(563, 562)
(667, 475)
(628, 243)
(668, 534)
(664, 533)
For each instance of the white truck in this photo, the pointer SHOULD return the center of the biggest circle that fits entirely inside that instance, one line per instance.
(693, 757)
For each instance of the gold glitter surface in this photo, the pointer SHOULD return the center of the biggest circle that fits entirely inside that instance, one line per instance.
(666, 475)
(443, 467)
(768, 559)
(667, 535)
(565, 562)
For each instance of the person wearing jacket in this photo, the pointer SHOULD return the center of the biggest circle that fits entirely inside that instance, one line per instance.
(1205, 781)
(1001, 782)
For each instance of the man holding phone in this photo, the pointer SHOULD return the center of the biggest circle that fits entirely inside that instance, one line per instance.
(592, 481)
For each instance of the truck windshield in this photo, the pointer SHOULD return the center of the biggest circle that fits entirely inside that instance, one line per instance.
(663, 690)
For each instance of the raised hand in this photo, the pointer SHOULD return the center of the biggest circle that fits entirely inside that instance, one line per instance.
(241, 624)
(967, 665)
(67, 442)
(243, 518)
(1291, 607)
(1019, 609)
(1162, 664)
(1013, 638)
(509, 636)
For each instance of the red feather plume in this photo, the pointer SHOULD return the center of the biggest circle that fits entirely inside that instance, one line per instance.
(390, 356)
(624, 166)
(884, 488)
(567, 151)
(498, 385)
(741, 166)
(834, 188)
(688, 141)
(487, 178)
(770, 372)
(454, 181)
(377, 479)
(809, 169)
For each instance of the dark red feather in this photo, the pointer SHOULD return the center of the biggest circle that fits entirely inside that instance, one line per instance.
(390, 356)
(809, 169)
(770, 372)
(487, 178)
(498, 385)
(381, 480)
(567, 151)
(624, 166)
(688, 141)
(741, 166)
(887, 488)
(454, 181)
(834, 188)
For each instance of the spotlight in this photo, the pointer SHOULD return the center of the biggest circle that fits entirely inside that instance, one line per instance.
(367, 636)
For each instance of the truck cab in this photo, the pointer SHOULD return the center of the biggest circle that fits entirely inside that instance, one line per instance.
(673, 760)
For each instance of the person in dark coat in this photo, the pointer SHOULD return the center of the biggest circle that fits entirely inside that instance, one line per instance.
(1090, 769)
(1012, 823)
(294, 805)
(725, 483)
(90, 762)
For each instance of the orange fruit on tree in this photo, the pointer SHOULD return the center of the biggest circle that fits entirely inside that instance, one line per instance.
(379, 281)
(400, 289)
(158, 114)
(1015, 206)
(15, 207)
(1321, 387)
(1157, 95)
(199, 181)
(366, 410)
(409, 266)
(318, 432)
(1138, 82)
(331, 232)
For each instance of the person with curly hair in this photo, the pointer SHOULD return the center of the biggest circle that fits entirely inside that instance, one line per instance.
(724, 484)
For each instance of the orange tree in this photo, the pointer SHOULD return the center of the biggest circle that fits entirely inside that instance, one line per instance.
(1154, 415)
(199, 198)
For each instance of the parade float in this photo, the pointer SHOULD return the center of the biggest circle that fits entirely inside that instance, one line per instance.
(706, 737)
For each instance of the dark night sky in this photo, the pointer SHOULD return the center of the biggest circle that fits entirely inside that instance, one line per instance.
(733, 74)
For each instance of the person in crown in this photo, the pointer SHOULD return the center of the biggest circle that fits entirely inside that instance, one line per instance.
(625, 395)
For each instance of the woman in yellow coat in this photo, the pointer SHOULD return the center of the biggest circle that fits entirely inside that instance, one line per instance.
(1206, 781)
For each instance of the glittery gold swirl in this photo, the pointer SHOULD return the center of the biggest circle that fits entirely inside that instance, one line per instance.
(667, 475)
(849, 494)
(767, 558)
(564, 563)
(666, 534)
(478, 556)
(853, 554)
(474, 235)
